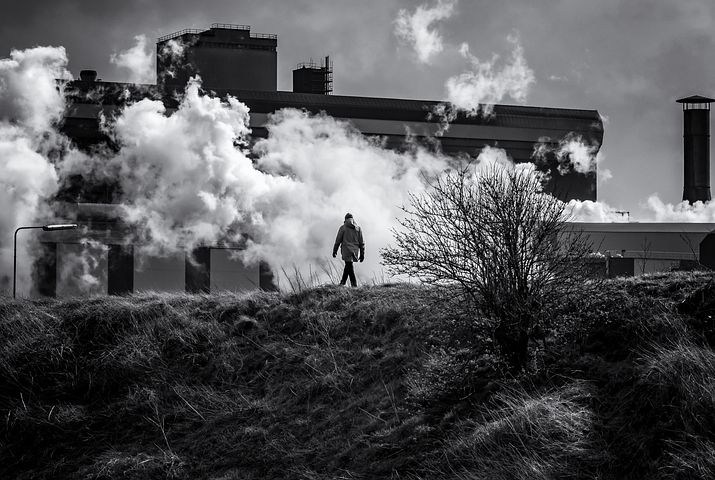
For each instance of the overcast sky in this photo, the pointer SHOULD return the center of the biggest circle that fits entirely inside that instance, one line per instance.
(628, 59)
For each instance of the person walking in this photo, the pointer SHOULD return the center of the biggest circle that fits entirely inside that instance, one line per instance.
(351, 244)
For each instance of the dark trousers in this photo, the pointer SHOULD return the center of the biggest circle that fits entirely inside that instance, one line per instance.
(349, 272)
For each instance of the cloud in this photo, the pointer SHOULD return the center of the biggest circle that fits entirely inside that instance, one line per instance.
(477, 90)
(415, 29)
(139, 60)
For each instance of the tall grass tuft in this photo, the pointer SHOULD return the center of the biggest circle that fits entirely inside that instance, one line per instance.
(525, 435)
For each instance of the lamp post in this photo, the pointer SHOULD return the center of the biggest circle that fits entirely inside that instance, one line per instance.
(46, 228)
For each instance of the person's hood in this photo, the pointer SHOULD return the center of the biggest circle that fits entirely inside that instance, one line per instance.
(350, 222)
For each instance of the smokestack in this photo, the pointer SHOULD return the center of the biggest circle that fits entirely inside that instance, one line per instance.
(696, 148)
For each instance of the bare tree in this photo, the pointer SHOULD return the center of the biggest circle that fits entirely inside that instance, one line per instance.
(501, 240)
(645, 254)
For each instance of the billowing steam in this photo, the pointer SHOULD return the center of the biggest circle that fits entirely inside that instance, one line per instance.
(138, 60)
(30, 106)
(171, 56)
(189, 179)
(81, 268)
(334, 170)
(476, 91)
(698, 212)
(573, 153)
(184, 180)
(415, 28)
(589, 211)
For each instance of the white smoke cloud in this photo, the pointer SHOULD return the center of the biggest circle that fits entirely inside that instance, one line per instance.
(602, 174)
(188, 179)
(29, 96)
(573, 153)
(698, 212)
(590, 211)
(656, 211)
(415, 29)
(31, 102)
(174, 47)
(335, 170)
(184, 180)
(172, 57)
(81, 271)
(138, 60)
(477, 91)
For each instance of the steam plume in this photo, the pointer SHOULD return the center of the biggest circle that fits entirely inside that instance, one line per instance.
(30, 106)
(80, 270)
(681, 212)
(138, 60)
(573, 153)
(589, 211)
(415, 29)
(477, 90)
(189, 179)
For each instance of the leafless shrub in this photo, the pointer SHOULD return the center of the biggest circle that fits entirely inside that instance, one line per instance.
(505, 243)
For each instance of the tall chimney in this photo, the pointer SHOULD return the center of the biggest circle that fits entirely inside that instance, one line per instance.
(696, 148)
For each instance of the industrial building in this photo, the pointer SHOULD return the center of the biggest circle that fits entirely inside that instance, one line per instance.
(636, 248)
(232, 60)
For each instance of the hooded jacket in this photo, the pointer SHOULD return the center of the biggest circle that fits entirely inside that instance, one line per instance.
(350, 240)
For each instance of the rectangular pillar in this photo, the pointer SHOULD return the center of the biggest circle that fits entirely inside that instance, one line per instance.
(265, 278)
(198, 270)
(44, 272)
(120, 269)
(620, 267)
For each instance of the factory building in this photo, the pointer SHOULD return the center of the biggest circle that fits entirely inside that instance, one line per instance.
(232, 60)
(225, 56)
(635, 248)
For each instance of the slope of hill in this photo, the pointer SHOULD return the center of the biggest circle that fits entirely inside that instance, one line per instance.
(376, 382)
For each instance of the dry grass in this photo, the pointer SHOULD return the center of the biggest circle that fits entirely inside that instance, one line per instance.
(373, 382)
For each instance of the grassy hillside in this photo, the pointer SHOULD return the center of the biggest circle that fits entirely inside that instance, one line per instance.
(375, 382)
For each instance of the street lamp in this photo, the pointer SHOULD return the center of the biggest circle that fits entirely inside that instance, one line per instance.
(46, 228)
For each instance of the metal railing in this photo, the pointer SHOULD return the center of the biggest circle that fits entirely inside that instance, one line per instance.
(247, 28)
(179, 33)
(271, 36)
(230, 26)
(225, 26)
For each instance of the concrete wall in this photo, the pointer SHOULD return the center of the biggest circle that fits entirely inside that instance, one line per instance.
(228, 273)
(78, 270)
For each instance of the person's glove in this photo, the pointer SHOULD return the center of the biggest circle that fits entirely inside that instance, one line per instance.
(362, 257)
(335, 254)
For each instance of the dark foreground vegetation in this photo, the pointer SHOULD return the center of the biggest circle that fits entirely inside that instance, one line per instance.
(376, 382)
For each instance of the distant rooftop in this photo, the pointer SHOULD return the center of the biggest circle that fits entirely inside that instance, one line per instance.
(216, 26)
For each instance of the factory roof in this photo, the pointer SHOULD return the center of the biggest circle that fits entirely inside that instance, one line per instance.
(413, 110)
(646, 227)
(578, 121)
